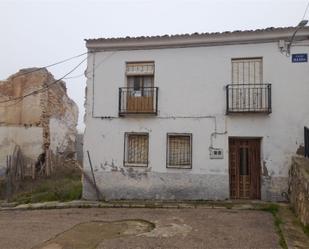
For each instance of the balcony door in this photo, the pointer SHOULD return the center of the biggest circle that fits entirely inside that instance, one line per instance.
(244, 168)
(140, 83)
(248, 76)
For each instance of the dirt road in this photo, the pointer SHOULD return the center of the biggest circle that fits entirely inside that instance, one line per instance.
(136, 228)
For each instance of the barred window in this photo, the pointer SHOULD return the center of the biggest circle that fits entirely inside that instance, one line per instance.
(136, 149)
(179, 151)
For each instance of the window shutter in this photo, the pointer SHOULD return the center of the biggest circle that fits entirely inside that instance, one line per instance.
(247, 71)
(142, 68)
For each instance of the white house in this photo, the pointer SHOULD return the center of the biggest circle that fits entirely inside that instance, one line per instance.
(203, 116)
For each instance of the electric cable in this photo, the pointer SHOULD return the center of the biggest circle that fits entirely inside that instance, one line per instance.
(45, 87)
(50, 65)
(95, 68)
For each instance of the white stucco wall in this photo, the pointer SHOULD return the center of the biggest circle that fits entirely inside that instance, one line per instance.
(191, 85)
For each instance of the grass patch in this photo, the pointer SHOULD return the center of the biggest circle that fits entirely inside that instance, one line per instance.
(305, 229)
(64, 185)
(273, 209)
(51, 190)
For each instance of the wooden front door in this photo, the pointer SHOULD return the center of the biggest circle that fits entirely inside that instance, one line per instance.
(244, 168)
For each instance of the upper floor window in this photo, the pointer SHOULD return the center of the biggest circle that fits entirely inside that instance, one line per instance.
(140, 76)
(139, 96)
(247, 92)
(247, 71)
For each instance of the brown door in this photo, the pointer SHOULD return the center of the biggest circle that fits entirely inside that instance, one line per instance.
(245, 168)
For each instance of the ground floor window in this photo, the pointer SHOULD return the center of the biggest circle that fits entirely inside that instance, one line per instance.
(179, 151)
(136, 149)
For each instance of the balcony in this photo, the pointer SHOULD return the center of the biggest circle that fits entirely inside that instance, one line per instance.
(248, 98)
(138, 101)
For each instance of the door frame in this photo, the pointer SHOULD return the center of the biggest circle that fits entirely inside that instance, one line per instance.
(259, 164)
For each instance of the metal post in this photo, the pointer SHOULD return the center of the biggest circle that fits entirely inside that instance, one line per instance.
(227, 99)
(95, 184)
(119, 102)
(269, 96)
(8, 178)
(157, 90)
(305, 141)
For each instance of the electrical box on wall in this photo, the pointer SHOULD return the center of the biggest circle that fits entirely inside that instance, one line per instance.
(216, 153)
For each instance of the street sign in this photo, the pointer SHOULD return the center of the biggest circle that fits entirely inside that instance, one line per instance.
(297, 58)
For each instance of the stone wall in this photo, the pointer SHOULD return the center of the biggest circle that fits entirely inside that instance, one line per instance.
(79, 147)
(63, 116)
(25, 111)
(299, 188)
(44, 120)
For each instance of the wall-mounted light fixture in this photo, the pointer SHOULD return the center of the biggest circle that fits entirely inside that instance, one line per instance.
(285, 46)
(302, 24)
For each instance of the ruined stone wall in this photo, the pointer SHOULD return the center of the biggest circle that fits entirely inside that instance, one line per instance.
(21, 120)
(299, 188)
(63, 116)
(25, 111)
(44, 120)
(79, 147)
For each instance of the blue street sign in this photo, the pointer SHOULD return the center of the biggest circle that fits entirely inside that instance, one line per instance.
(296, 58)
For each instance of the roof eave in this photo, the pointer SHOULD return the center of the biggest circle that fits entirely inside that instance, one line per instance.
(195, 40)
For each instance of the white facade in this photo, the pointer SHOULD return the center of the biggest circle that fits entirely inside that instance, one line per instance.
(191, 74)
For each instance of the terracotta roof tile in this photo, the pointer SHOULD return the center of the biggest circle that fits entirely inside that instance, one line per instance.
(196, 34)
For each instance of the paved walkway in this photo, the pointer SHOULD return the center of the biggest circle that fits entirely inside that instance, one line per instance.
(137, 228)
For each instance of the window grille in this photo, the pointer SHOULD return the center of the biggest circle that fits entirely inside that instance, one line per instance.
(136, 149)
(179, 151)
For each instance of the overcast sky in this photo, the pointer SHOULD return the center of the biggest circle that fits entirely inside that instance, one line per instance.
(35, 33)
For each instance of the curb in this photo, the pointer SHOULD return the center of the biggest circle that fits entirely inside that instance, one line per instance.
(133, 204)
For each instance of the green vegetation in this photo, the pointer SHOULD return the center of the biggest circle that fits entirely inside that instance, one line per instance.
(64, 185)
(273, 209)
(306, 229)
(51, 190)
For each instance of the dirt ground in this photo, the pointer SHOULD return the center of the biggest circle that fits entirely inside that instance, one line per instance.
(136, 228)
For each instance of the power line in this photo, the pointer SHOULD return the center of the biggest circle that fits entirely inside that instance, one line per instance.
(19, 99)
(75, 76)
(50, 65)
(45, 87)
(85, 74)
